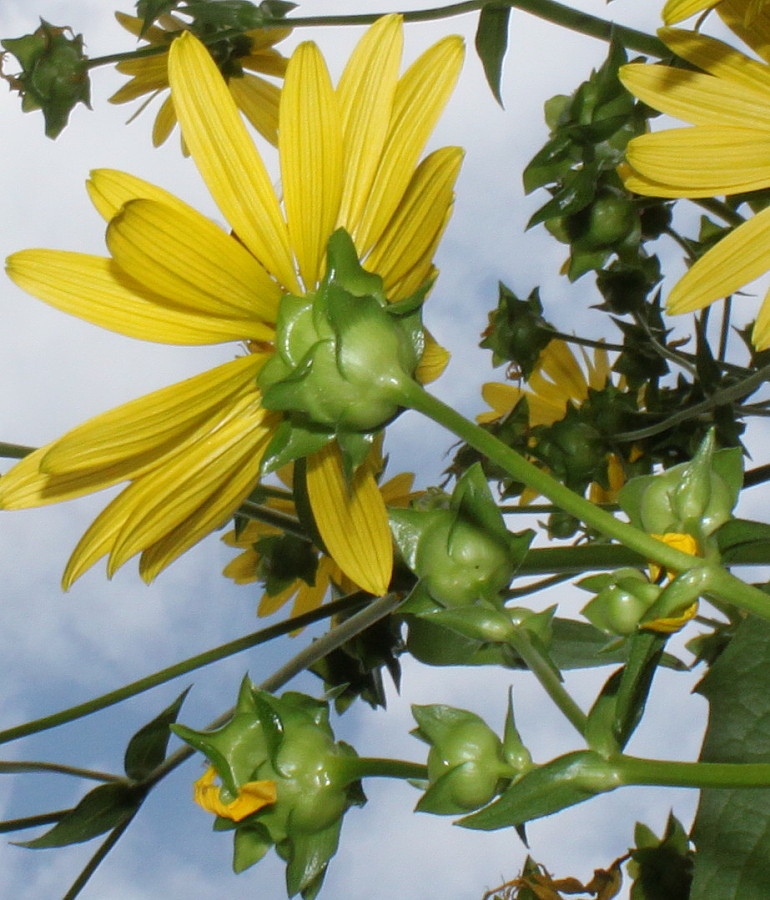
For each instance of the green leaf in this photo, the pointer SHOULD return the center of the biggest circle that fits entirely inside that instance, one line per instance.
(732, 827)
(147, 748)
(149, 10)
(739, 532)
(545, 790)
(492, 42)
(102, 809)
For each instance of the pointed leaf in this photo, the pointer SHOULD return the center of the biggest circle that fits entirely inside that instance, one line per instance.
(147, 748)
(102, 809)
(492, 42)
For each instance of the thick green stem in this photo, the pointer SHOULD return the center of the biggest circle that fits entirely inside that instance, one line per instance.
(549, 679)
(376, 767)
(181, 668)
(558, 13)
(632, 770)
(724, 585)
(15, 451)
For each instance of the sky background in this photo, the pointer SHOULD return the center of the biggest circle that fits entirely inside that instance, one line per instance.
(58, 649)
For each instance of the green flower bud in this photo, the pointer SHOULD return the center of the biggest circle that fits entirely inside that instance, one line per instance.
(287, 743)
(53, 76)
(466, 761)
(343, 353)
(608, 220)
(622, 601)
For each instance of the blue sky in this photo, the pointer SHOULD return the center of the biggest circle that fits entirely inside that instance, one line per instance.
(57, 649)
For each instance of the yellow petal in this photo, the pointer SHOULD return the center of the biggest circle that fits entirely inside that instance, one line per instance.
(243, 569)
(501, 397)
(164, 123)
(558, 362)
(352, 520)
(151, 422)
(310, 144)
(366, 91)
(433, 361)
(420, 97)
(97, 290)
(677, 10)
(760, 336)
(410, 239)
(264, 38)
(397, 491)
(252, 796)
(135, 26)
(110, 189)
(189, 260)
(754, 31)
(266, 62)
(721, 60)
(226, 157)
(704, 160)
(258, 100)
(702, 99)
(735, 261)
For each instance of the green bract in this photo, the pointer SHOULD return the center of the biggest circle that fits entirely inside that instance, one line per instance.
(462, 554)
(287, 740)
(694, 498)
(622, 599)
(342, 357)
(53, 77)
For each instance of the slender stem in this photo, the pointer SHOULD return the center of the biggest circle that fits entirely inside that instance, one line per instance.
(558, 13)
(93, 864)
(376, 767)
(721, 209)
(32, 821)
(549, 679)
(13, 768)
(633, 770)
(181, 668)
(15, 451)
(724, 332)
(541, 508)
(280, 520)
(724, 585)
(530, 589)
(333, 639)
(720, 398)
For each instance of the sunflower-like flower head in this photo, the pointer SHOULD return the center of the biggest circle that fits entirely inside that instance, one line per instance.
(192, 452)
(286, 782)
(724, 152)
(243, 60)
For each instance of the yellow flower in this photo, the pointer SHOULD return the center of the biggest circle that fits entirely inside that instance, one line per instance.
(679, 541)
(252, 796)
(191, 452)
(556, 381)
(254, 51)
(245, 568)
(726, 151)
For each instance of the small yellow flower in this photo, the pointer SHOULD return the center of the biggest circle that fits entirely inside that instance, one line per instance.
(725, 151)
(253, 52)
(252, 796)
(192, 452)
(244, 568)
(686, 543)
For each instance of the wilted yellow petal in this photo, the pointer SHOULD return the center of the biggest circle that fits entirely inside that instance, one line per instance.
(97, 290)
(351, 519)
(226, 157)
(188, 259)
(310, 144)
(252, 796)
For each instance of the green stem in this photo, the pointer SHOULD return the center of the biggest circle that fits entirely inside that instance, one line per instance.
(268, 516)
(558, 13)
(721, 209)
(13, 768)
(549, 679)
(632, 770)
(32, 821)
(181, 668)
(306, 657)
(376, 767)
(93, 864)
(725, 585)
(15, 451)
